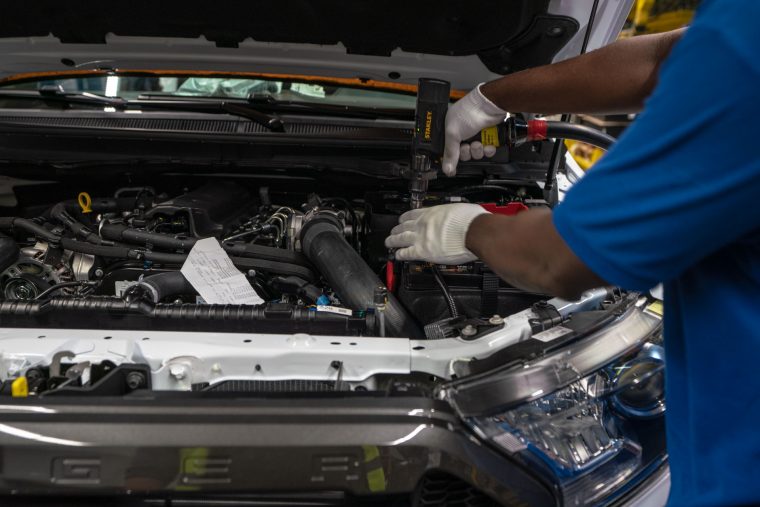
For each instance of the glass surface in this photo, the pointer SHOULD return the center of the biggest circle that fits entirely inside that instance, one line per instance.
(130, 87)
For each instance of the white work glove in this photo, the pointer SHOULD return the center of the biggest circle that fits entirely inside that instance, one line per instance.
(435, 234)
(466, 118)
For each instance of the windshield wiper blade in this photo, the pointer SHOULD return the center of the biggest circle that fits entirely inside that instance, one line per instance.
(269, 102)
(204, 105)
(56, 94)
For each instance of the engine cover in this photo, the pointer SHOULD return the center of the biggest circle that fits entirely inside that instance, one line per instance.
(206, 211)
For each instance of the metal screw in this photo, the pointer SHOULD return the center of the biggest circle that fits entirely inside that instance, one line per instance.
(99, 273)
(496, 320)
(135, 380)
(251, 273)
(178, 371)
(216, 368)
(469, 330)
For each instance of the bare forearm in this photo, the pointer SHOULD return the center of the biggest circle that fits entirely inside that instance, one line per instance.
(614, 79)
(526, 251)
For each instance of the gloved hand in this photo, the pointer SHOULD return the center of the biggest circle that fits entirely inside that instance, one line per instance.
(435, 234)
(467, 117)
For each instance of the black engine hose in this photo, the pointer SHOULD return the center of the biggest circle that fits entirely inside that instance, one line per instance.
(157, 287)
(325, 245)
(11, 223)
(60, 214)
(243, 263)
(112, 252)
(8, 252)
(126, 234)
(157, 240)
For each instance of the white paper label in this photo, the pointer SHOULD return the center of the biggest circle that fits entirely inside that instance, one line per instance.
(334, 309)
(552, 334)
(210, 271)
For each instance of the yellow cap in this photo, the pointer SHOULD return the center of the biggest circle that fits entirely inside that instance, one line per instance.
(85, 202)
(20, 388)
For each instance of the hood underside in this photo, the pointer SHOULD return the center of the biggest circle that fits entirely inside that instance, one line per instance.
(464, 42)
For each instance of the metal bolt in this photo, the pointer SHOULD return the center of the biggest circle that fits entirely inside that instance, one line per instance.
(178, 371)
(469, 330)
(135, 380)
(216, 368)
(496, 320)
(251, 273)
(99, 273)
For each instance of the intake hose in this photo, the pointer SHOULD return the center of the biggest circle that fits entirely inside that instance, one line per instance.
(8, 252)
(325, 245)
(157, 287)
(11, 223)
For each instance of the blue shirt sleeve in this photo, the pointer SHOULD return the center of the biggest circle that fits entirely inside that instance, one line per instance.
(684, 180)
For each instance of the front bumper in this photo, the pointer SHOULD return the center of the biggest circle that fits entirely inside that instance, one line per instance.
(358, 446)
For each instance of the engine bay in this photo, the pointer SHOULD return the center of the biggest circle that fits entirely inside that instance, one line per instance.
(316, 261)
(94, 298)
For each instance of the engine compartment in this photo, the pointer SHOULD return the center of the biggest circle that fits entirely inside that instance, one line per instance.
(112, 260)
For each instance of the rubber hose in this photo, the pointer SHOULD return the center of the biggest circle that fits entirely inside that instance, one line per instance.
(8, 252)
(120, 252)
(10, 223)
(352, 279)
(121, 232)
(78, 228)
(163, 285)
(565, 130)
(114, 252)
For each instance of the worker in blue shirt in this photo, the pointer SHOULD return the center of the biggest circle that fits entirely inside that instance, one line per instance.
(675, 201)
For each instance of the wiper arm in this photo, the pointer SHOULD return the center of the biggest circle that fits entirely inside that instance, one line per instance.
(269, 102)
(236, 108)
(56, 94)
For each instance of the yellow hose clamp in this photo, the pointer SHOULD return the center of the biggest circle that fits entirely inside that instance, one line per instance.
(85, 202)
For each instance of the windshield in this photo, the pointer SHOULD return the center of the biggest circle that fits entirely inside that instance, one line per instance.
(130, 87)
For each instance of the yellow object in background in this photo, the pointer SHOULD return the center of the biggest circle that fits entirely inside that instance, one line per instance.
(585, 154)
(655, 16)
(85, 202)
(20, 388)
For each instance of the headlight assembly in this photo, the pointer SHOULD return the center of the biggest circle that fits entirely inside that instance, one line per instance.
(590, 436)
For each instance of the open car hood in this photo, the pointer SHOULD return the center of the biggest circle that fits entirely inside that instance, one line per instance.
(465, 42)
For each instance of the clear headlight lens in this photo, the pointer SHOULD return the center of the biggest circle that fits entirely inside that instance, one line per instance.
(587, 436)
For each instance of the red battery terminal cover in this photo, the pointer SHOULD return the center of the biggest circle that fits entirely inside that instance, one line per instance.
(512, 208)
(390, 276)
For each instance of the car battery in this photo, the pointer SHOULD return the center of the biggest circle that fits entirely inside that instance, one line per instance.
(477, 291)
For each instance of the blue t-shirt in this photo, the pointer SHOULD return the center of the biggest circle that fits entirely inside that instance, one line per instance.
(677, 200)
